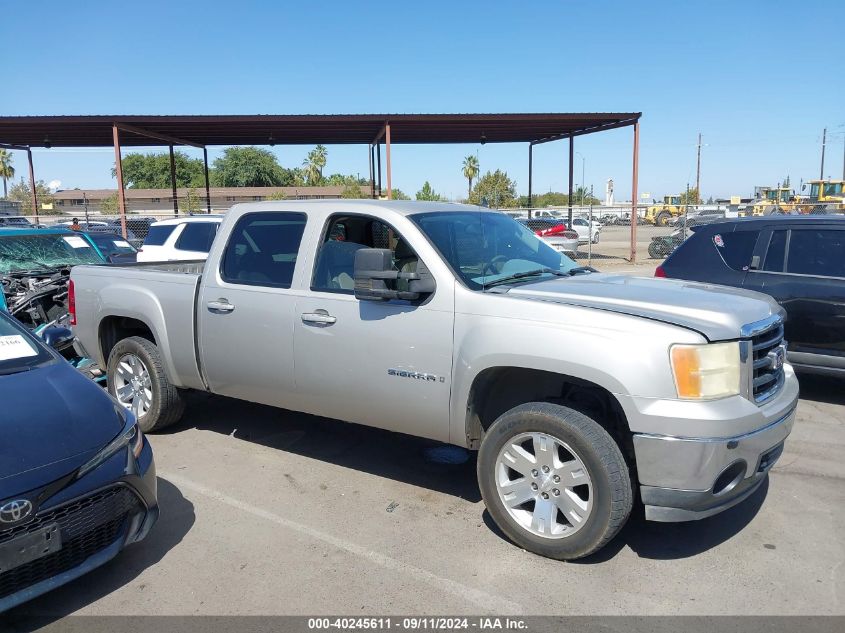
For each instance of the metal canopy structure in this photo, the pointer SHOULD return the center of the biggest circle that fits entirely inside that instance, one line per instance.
(374, 130)
(302, 129)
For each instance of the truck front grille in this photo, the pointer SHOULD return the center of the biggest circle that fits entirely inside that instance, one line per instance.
(768, 355)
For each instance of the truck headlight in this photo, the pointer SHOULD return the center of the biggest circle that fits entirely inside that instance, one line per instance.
(706, 372)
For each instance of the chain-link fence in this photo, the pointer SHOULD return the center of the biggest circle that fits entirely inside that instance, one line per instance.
(598, 233)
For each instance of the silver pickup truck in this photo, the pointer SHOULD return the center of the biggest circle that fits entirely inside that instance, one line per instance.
(457, 323)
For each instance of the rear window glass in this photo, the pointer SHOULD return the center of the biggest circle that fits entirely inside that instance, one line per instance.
(816, 252)
(775, 252)
(197, 236)
(262, 249)
(736, 247)
(158, 235)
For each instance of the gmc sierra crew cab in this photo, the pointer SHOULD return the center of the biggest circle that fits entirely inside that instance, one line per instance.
(457, 323)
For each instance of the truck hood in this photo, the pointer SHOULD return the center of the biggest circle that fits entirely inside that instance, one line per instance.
(717, 312)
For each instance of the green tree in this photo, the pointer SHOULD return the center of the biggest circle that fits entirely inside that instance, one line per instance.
(312, 166)
(250, 167)
(428, 193)
(470, 172)
(319, 155)
(193, 203)
(352, 189)
(495, 189)
(110, 204)
(398, 194)
(152, 171)
(277, 195)
(7, 172)
(690, 196)
(22, 192)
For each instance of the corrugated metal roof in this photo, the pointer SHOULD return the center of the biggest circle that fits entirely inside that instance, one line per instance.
(304, 129)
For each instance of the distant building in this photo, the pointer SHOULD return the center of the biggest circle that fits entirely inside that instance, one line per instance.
(10, 207)
(69, 201)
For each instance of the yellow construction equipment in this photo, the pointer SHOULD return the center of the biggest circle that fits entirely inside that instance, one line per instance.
(772, 199)
(660, 214)
(827, 195)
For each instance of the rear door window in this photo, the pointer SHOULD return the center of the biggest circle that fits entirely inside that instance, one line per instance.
(819, 252)
(158, 235)
(736, 247)
(775, 253)
(197, 236)
(263, 248)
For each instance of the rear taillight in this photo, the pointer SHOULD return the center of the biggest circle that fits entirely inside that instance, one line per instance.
(71, 302)
(659, 272)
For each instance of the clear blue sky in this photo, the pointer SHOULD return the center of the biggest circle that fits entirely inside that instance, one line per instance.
(759, 79)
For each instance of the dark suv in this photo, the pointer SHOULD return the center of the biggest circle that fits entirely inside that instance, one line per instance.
(798, 260)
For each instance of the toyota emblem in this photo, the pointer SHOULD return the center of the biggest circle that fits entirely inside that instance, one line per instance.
(15, 511)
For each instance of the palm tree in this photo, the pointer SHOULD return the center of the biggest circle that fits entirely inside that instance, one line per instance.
(313, 165)
(470, 171)
(7, 172)
(320, 155)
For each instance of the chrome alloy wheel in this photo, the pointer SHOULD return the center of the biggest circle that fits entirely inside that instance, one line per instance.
(132, 385)
(544, 485)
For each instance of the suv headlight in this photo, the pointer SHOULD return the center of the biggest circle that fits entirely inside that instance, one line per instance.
(130, 436)
(706, 372)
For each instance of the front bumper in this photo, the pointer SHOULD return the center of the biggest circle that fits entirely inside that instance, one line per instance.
(93, 532)
(693, 476)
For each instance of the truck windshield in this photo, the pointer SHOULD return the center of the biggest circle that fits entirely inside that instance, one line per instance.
(18, 350)
(483, 247)
(38, 252)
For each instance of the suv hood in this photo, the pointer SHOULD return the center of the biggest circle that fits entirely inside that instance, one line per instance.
(717, 312)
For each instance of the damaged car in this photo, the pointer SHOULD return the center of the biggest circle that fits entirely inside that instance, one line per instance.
(34, 273)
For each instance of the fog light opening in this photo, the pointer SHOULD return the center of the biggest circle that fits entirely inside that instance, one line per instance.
(729, 477)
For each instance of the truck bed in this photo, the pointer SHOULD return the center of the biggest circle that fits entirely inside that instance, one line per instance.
(161, 295)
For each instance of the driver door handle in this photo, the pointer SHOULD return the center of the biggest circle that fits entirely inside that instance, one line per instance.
(221, 305)
(320, 317)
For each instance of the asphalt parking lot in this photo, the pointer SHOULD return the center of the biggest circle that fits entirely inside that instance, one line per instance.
(272, 512)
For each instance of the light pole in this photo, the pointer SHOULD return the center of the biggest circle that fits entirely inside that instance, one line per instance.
(583, 161)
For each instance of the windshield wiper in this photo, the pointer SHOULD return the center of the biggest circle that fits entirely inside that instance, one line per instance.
(580, 270)
(523, 275)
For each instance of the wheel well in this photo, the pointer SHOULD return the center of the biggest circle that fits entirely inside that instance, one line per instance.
(499, 389)
(116, 328)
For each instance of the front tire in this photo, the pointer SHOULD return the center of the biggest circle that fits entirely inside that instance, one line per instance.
(554, 481)
(596, 238)
(136, 377)
(663, 218)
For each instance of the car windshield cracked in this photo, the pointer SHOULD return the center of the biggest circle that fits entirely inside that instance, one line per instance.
(20, 253)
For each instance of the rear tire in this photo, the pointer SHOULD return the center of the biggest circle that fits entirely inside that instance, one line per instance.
(571, 473)
(655, 251)
(136, 377)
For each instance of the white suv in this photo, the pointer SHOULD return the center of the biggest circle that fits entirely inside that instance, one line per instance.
(180, 239)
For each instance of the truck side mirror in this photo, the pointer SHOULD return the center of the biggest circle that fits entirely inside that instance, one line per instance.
(375, 277)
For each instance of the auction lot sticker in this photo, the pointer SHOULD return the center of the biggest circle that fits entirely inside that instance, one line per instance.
(76, 241)
(15, 346)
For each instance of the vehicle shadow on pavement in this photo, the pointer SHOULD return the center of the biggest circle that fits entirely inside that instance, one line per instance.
(671, 541)
(822, 388)
(176, 519)
(396, 456)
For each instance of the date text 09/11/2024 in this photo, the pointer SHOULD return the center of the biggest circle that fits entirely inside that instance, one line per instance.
(429, 623)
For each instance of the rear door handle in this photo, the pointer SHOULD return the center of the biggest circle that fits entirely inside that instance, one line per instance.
(320, 317)
(221, 305)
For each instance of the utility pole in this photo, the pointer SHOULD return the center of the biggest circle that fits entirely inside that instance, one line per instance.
(824, 139)
(698, 171)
